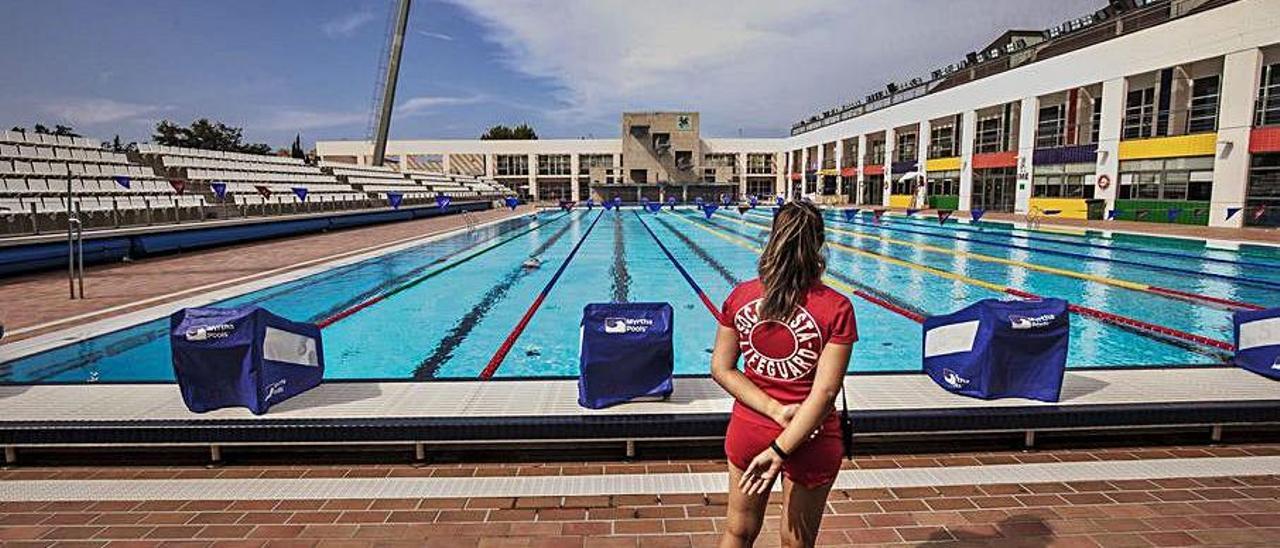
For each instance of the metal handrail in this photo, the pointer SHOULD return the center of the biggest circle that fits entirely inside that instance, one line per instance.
(75, 256)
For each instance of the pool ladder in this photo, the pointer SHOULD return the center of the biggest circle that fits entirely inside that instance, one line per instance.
(470, 220)
(75, 256)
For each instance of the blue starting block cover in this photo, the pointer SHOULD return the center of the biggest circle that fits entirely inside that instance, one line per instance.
(246, 356)
(626, 353)
(1000, 349)
(1257, 336)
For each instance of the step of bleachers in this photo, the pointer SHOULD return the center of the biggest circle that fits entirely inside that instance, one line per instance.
(32, 138)
(40, 173)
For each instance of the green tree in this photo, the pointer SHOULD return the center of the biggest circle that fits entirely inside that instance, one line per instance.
(207, 135)
(522, 132)
(58, 129)
(296, 150)
(117, 145)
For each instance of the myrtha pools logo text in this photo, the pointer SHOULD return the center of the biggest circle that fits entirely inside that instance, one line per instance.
(1024, 322)
(627, 325)
(206, 332)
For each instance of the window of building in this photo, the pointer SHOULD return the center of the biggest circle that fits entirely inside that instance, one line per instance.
(1096, 122)
(990, 135)
(875, 153)
(661, 142)
(872, 190)
(1268, 107)
(1140, 106)
(811, 163)
(942, 141)
(1051, 126)
(944, 183)
(1262, 198)
(760, 187)
(902, 185)
(905, 151)
(759, 164)
(588, 161)
(829, 155)
(639, 176)
(1167, 179)
(684, 159)
(1063, 181)
(849, 157)
(512, 164)
(721, 160)
(553, 164)
(1203, 117)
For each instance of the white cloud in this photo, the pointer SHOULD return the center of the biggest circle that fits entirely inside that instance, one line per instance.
(436, 35)
(423, 104)
(296, 119)
(347, 24)
(754, 64)
(93, 111)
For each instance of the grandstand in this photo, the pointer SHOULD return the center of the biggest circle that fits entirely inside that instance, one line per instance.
(160, 184)
(378, 181)
(40, 172)
(250, 180)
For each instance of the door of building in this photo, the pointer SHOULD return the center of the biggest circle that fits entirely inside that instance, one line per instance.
(994, 189)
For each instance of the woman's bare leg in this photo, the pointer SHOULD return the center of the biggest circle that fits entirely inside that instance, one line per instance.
(746, 514)
(802, 510)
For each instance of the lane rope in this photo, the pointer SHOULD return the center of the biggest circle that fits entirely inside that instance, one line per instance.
(828, 279)
(1010, 233)
(1158, 330)
(706, 301)
(1185, 296)
(1237, 279)
(346, 313)
(520, 326)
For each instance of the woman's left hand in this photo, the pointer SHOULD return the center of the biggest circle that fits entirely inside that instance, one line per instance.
(759, 475)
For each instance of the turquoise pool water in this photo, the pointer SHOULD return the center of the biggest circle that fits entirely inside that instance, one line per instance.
(454, 300)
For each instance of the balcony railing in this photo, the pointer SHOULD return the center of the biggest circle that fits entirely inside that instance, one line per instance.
(1147, 15)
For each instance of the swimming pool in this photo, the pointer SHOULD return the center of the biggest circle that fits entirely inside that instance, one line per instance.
(463, 306)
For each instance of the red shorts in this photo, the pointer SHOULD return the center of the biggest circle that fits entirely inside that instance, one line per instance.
(815, 463)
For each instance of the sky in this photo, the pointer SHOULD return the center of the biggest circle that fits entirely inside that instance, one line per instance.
(569, 68)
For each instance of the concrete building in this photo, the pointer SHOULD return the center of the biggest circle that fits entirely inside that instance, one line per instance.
(1150, 110)
(658, 155)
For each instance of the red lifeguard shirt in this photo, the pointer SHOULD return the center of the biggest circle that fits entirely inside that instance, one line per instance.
(781, 357)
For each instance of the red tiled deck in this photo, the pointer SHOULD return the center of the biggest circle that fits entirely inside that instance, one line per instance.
(39, 298)
(1241, 511)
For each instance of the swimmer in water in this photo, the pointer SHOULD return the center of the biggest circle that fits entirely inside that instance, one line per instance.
(532, 263)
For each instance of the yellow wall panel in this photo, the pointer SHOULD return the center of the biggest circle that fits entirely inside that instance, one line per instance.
(900, 200)
(1169, 147)
(943, 164)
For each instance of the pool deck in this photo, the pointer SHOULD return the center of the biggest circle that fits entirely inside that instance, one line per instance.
(1169, 496)
(497, 413)
(37, 303)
